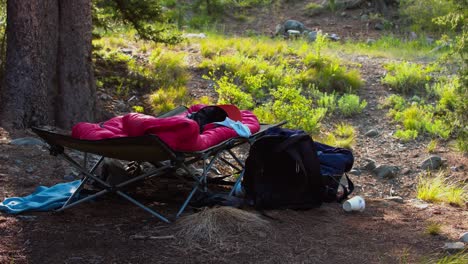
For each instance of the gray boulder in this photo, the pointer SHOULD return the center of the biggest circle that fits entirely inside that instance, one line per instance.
(386, 171)
(289, 25)
(464, 237)
(432, 163)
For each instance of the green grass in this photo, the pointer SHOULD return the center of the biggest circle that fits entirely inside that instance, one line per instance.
(343, 136)
(432, 146)
(433, 228)
(312, 9)
(406, 77)
(392, 47)
(458, 258)
(351, 104)
(439, 189)
(166, 99)
(406, 135)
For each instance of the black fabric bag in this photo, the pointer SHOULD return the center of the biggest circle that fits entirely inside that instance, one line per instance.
(334, 163)
(283, 171)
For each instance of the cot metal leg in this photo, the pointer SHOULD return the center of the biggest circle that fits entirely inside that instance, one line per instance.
(77, 191)
(147, 209)
(238, 182)
(182, 208)
(83, 200)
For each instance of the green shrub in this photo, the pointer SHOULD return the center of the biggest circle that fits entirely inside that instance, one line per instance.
(350, 104)
(313, 9)
(420, 14)
(406, 135)
(328, 101)
(407, 77)
(396, 102)
(168, 68)
(138, 109)
(229, 93)
(164, 100)
(289, 105)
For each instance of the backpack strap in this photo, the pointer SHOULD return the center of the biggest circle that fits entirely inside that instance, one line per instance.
(289, 141)
(346, 190)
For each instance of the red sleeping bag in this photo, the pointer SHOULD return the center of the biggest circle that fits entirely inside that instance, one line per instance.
(178, 132)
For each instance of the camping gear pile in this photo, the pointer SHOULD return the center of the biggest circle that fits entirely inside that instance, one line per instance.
(284, 169)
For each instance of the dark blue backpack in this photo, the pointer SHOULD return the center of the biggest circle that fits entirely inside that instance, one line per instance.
(283, 171)
(287, 169)
(334, 163)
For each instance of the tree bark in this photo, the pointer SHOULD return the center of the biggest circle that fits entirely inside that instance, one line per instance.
(76, 99)
(48, 75)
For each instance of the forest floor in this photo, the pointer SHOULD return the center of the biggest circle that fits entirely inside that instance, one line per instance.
(111, 230)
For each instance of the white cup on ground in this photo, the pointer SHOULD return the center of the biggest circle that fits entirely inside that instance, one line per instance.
(356, 203)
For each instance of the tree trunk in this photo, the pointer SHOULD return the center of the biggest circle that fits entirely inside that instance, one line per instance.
(48, 75)
(76, 100)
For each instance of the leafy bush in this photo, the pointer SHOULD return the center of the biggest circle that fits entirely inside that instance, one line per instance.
(327, 101)
(406, 135)
(350, 104)
(313, 9)
(407, 77)
(289, 105)
(420, 14)
(167, 68)
(229, 93)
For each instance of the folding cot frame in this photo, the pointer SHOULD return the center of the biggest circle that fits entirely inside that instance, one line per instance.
(147, 148)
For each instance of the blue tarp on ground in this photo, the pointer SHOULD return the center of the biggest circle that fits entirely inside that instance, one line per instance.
(43, 199)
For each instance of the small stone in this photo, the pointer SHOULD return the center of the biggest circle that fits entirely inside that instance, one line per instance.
(312, 36)
(356, 172)
(454, 168)
(413, 36)
(120, 106)
(379, 26)
(69, 177)
(27, 141)
(371, 165)
(126, 51)
(30, 169)
(430, 40)
(405, 171)
(372, 133)
(386, 171)
(364, 18)
(396, 199)
(421, 206)
(27, 217)
(454, 246)
(343, 14)
(432, 163)
(370, 41)
(464, 237)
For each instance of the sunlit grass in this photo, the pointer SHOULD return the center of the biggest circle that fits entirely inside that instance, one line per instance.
(439, 188)
(392, 47)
